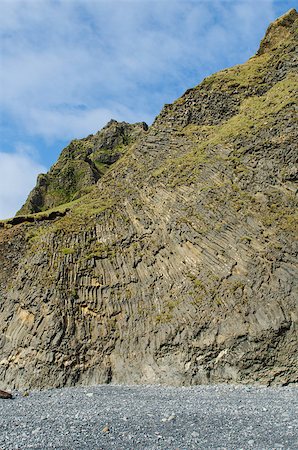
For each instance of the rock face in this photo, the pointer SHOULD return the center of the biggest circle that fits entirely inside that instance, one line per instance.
(180, 265)
(81, 164)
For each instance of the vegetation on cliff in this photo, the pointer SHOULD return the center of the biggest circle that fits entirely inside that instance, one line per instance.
(81, 164)
(174, 262)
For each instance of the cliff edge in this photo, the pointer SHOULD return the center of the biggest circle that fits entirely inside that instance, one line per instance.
(179, 264)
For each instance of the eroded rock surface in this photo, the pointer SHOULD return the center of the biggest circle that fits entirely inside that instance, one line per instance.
(81, 164)
(180, 265)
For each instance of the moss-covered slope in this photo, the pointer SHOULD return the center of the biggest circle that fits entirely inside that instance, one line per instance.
(180, 264)
(81, 164)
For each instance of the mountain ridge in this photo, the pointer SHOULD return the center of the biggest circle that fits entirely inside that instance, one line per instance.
(180, 264)
(80, 165)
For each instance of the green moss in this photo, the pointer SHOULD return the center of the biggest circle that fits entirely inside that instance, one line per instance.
(197, 284)
(101, 167)
(246, 239)
(255, 113)
(67, 251)
(197, 300)
(289, 222)
(164, 317)
(218, 301)
(283, 219)
(183, 169)
(168, 310)
(241, 76)
(79, 166)
(101, 251)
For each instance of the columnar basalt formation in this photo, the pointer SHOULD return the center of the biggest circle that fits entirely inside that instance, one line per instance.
(178, 264)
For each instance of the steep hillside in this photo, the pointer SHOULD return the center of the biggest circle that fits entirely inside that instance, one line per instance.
(180, 265)
(81, 164)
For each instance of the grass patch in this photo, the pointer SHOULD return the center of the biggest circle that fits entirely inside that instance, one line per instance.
(183, 169)
(241, 76)
(67, 251)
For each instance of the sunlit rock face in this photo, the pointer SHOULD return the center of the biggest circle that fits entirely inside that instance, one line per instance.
(81, 164)
(171, 256)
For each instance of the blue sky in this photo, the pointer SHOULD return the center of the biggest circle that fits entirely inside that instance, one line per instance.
(68, 66)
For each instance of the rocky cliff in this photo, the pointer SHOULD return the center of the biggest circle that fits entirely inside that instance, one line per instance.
(179, 265)
(81, 164)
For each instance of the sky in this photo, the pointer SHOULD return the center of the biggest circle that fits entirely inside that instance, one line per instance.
(68, 66)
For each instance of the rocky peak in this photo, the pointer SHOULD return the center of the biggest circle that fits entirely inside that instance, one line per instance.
(279, 31)
(118, 133)
(81, 164)
(220, 95)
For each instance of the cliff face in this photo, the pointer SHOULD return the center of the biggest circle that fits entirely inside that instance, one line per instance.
(81, 164)
(180, 265)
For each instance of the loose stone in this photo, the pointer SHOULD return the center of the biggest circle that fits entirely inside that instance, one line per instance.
(4, 394)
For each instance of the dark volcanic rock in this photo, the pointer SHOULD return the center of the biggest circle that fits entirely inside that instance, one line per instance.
(4, 394)
(180, 264)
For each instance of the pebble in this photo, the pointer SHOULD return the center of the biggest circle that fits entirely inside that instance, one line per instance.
(194, 417)
(5, 395)
(171, 417)
(37, 430)
(168, 419)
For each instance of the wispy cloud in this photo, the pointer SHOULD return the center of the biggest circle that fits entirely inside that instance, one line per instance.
(61, 54)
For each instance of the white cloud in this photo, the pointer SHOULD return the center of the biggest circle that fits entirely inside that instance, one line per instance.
(130, 55)
(69, 66)
(18, 172)
(69, 123)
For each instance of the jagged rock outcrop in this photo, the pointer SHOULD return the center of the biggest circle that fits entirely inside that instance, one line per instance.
(180, 265)
(81, 164)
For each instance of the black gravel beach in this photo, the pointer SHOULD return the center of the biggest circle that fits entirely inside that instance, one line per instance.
(151, 417)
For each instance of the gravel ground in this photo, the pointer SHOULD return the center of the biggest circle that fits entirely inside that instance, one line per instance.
(152, 417)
